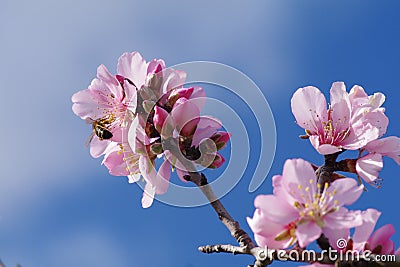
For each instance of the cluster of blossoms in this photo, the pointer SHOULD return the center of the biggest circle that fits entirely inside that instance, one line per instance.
(353, 121)
(138, 113)
(146, 124)
(301, 208)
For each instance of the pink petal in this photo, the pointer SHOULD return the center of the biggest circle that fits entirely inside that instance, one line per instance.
(276, 209)
(334, 235)
(343, 219)
(340, 107)
(381, 236)
(148, 196)
(358, 97)
(309, 108)
(173, 79)
(134, 67)
(186, 116)
(181, 92)
(376, 100)
(85, 104)
(199, 97)
(160, 115)
(362, 232)
(299, 172)
(163, 176)
(327, 149)
(360, 135)
(389, 146)
(345, 191)
(378, 119)
(155, 66)
(115, 163)
(369, 167)
(307, 233)
(111, 81)
(130, 96)
(387, 247)
(265, 231)
(218, 161)
(202, 133)
(97, 147)
(147, 170)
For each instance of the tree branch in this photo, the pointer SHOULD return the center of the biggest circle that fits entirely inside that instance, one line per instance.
(201, 182)
(306, 256)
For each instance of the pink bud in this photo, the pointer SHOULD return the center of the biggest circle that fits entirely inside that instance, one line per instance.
(221, 139)
(160, 115)
(178, 93)
(218, 161)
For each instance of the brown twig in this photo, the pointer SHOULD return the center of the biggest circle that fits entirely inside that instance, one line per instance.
(201, 182)
(305, 256)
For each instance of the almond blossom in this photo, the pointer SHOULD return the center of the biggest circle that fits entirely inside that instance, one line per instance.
(364, 237)
(199, 138)
(351, 121)
(175, 115)
(300, 209)
(124, 110)
(106, 99)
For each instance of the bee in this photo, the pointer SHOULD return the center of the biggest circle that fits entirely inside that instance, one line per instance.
(100, 128)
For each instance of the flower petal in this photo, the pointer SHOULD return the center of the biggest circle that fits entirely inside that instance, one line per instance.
(389, 146)
(309, 108)
(369, 167)
(334, 235)
(186, 116)
(381, 236)
(362, 232)
(307, 233)
(163, 176)
(345, 191)
(276, 209)
(134, 67)
(340, 107)
(148, 196)
(265, 231)
(297, 175)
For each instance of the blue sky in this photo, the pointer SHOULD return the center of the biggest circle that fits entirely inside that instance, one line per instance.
(58, 207)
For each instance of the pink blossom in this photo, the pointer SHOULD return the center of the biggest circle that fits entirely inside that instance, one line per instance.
(299, 201)
(105, 100)
(370, 165)
(138, 108)
(201, 138)
(351, 121)
(364, 238)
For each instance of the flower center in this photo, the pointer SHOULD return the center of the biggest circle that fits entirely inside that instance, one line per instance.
(314, 207)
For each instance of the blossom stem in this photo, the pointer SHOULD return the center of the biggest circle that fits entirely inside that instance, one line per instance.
(233, 226)
(201, 182)
(296, 255)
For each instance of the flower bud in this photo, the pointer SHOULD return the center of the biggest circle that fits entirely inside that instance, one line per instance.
(221, 139)
(218, 161)
(160, 115)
